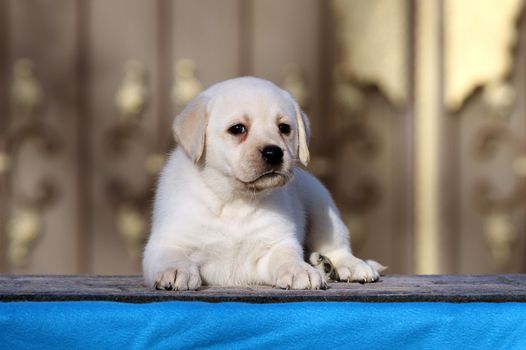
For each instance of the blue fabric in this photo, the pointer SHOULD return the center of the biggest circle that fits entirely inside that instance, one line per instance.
(322, 325)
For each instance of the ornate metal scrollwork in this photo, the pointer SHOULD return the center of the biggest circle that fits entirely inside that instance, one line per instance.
(467, 26)
(26, 225)
(497, 210)
(374, 45)
(131, 204)
(5, 163)
(295, 82)
(26, 92)
(499, 97)
(131, 213)
(186, 84)
(359, 67)
(132, 94)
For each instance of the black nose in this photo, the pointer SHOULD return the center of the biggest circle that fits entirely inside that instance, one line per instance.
(272, 155)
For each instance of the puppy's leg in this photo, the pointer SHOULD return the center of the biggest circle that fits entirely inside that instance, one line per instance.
(353, 269)
(329, 236)
(169, 269)
(284, 268)
(331, 240)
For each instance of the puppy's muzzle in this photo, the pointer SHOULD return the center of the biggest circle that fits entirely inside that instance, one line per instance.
(272, 155)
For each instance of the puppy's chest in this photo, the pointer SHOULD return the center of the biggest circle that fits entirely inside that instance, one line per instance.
(238, 224)
(241, 230)
(235, 240)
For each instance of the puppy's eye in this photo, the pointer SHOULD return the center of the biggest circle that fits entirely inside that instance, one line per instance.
(284, 128)
(237, 129)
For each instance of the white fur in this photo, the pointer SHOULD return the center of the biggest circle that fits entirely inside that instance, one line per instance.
(209, 227)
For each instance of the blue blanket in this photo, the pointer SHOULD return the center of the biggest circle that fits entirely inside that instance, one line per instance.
(319, 325)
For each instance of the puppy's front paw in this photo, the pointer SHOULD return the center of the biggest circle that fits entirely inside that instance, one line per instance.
(357, 270)
(178, 278)
(299, 276)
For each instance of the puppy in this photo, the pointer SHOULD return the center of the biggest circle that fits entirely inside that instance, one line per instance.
(232, 207)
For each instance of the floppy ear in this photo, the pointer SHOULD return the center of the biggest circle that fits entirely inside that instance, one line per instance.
(303, 135)
(189, 127)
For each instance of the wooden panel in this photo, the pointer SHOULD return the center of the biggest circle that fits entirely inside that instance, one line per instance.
(119, 31)
(482, 288)
(54, 251)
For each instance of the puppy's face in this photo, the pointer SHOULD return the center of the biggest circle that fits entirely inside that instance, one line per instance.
(252, 138)
(254, 133)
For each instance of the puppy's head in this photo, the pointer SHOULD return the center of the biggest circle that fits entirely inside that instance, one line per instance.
(246, 129)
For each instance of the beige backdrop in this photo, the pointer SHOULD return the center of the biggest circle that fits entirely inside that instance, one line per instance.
(417, 110)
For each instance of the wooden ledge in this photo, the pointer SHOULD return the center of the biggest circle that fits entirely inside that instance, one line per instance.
(403, 288)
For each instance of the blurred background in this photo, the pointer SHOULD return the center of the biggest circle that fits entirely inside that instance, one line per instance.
(417, 109)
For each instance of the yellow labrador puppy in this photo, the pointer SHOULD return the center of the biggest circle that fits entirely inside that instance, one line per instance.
(233, 209)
